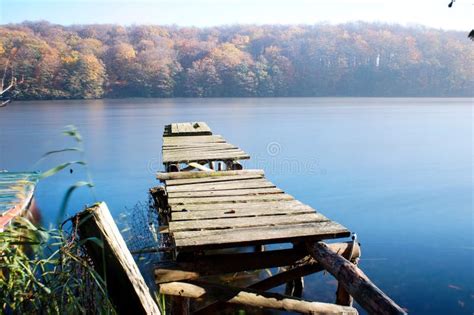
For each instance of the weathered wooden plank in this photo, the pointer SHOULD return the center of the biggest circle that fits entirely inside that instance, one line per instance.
(217, 264)
(229, 199)
(113, 261)
(208, 148)
(218, 224)
(257, 205)
(202, 154)
(227, 192)
(182, 149)
(169, 177)
(189, 128)
(256, 183)
(261, 235)
(193, 139)
(357, 284)
(201, 151)
(252, 298)
(210, 179)
(196, 144)
(205, 156)
(237, 213)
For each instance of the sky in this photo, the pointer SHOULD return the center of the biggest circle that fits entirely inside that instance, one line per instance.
(202, 13)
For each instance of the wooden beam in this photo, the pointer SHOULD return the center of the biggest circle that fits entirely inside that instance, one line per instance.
(186, 175)
(304, 267)
(251, 298)
(357, 284)
(226, 263)
(219, 264)
(114, 263)
(200, 167)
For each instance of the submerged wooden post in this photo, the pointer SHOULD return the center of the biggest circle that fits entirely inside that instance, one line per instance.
(357, 284)
(114, 263)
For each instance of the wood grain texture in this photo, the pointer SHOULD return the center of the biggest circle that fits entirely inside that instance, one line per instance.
(228, 199)
(198, 177)
(219, 224)
(258, 235)
(251, 298)
(114, 262)
(227, 192)
(357, 284)
(229, 185)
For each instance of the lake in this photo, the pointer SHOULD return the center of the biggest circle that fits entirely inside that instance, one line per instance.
(397, 171)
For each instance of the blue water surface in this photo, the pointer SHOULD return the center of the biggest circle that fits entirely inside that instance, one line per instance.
(397, 171)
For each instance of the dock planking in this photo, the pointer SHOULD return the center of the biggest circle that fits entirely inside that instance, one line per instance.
(206, 209)
(194, 142)
(235, 210)
(215, 209)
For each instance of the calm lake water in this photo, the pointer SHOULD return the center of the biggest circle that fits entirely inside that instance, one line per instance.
(398, 172)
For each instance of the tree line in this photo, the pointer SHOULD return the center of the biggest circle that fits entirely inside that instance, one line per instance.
(354, 59)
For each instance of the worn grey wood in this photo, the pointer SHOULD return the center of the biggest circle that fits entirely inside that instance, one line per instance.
(229, 185)
(197, 146)
(228, 199)
(238, 213)
(201, 177)
(357, 284)
(218, 264)
(214, 209)
(229, 223)
(194, 142)
(257, 205)
(114, 262)
(260, 235)
(251, 298)
(228, 192)
(208, 156)
(189, 128)
(190, 153)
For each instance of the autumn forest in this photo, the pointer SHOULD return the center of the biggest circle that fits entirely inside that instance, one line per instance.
(356, 59)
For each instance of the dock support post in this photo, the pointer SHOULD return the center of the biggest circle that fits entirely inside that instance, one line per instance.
(357, 284)
(179, 305)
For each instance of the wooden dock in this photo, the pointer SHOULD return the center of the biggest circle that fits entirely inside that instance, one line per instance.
(210, 202)
(16, 195)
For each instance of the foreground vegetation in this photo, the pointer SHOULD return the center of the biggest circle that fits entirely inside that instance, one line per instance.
(47, 272)
(360, 59)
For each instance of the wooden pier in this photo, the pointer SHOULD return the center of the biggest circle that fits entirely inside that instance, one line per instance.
(16, 195)
(210, 202)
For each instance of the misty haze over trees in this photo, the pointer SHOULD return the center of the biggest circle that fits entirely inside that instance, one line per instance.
(356, 59)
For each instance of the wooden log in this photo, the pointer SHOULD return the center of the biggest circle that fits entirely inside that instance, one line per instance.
(185, 175)
(218, 264)
(304, 267)
(114, 262)
(179, 305)
(357, 284)
(194, 268)
(251, 298)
